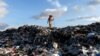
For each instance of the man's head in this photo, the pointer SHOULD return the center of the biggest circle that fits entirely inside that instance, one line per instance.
(50, 16)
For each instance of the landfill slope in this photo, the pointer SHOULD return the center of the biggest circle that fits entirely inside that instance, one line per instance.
(71, 40)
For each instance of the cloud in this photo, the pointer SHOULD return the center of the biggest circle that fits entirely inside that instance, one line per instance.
(91, 5)
(93, 18)
(77, 8)
(3, 26)
(58, 11)
(3, 9)
(55, 3)
(94, 2)
(88, 18)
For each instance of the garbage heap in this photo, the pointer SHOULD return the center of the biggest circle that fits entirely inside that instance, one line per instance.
(81, 40)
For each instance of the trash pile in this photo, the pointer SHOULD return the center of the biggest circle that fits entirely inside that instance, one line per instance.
(81, 40)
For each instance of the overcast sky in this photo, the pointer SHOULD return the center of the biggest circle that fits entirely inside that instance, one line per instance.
(35, 12)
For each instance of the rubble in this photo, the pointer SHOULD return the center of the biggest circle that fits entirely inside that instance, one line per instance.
(82, 40)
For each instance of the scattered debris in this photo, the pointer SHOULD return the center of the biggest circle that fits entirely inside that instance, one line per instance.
(37, 40)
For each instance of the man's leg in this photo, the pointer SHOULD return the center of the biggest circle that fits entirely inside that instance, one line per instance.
(50, 25)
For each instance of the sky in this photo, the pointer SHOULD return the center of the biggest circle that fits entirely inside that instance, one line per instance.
(15, 13)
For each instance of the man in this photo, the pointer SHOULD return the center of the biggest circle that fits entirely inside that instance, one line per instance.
(50, 21)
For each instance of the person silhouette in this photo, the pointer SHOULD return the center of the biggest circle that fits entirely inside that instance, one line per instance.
(50, 21)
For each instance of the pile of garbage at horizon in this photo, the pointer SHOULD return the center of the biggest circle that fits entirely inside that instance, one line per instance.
(80, 40)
